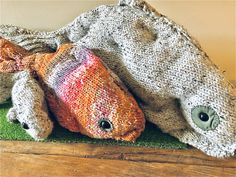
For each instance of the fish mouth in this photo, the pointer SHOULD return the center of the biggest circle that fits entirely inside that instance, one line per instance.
(131, 135)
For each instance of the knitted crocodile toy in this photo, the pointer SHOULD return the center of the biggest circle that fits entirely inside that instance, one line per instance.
(180, 89)
(83, 94)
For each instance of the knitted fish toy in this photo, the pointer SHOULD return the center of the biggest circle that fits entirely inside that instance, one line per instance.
(82, 93)
(180, 89)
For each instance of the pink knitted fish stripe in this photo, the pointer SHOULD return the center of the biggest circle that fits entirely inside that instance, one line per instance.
(90, 86)
(82, 93)
(81, 90)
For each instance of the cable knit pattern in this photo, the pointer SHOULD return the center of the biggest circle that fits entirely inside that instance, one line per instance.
(179, 87)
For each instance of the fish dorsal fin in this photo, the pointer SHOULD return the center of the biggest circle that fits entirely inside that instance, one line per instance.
(140, 4)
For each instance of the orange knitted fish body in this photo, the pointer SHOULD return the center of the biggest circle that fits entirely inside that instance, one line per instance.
(84, 95)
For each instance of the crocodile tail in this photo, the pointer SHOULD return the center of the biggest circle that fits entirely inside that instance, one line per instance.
(11, 57)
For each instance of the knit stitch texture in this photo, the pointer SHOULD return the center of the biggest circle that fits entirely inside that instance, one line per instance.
(180, 89)
(82, 93)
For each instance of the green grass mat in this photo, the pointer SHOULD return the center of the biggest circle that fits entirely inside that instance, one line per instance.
(151, 137)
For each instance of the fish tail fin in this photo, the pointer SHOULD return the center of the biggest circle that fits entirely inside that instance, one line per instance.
(12, 56)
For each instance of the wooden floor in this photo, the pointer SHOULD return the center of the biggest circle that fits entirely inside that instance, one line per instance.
(34, 159)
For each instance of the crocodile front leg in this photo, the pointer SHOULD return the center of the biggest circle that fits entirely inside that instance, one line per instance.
(29, 106)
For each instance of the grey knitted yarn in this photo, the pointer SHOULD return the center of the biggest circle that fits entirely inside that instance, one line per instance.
(29, 106)
(6, 85)
(180, 89)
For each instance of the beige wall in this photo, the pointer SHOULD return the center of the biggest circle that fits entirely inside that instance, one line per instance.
(212, 22)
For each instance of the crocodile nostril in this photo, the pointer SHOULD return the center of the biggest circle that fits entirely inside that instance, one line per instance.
(25, 126)
(15, 121)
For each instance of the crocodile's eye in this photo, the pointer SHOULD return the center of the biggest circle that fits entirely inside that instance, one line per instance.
(105, 125)
(205, 117)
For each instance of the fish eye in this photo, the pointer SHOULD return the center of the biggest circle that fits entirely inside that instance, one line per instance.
(205, 117)
(105, 125)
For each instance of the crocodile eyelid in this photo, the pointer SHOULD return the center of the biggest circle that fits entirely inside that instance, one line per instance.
(209, 124)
